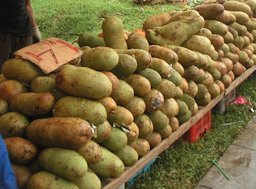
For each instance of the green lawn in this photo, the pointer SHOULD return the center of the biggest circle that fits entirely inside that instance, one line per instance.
(60, 18)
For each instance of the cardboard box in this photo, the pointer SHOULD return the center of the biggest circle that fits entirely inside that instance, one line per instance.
(50, 54)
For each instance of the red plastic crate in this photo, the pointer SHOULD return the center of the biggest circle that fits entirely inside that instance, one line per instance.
(199, 128)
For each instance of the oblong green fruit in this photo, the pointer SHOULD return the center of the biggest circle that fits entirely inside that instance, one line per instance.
(167, 88)
(109, 104)
(205, 100)
(179, 68)
(103, 132)
(43, 179)
(185, 117)
(157, 20)
(117, 140)
(191, 72)
(205, 32)
(127, 65)
(199, 43)
(226, 17)
(142, 57)
(144, 124)
(11, 88)
(225, 48)
(20, 150)
(241, 29)
(141, 145)
(189, 100)
(110, 166)
(170, 107)
(186, 56)
(192, 89)
(181, 27)
(241, 17)
(63, 162)
(128, 155)
(83, 82)
(75, 132)
(218, 41)
(209, 11)
(233, 31)
(20, 70)
(22, 174)
(32, 104)
(153, 76)
(140, 84)
(121, 116)
(202, 90)
(214, 90)
(209, 79)
(216, 27)
(166, 132)
(123, 94)
(159, 120)
(92, 111)
(154, 100)
(87, 39)
(113, 32)
(136, 41)
(252, 4)
(89, 181)
(100, 58)
(43, 84)
(237, 6)
(161, 66)
(136, 106)
(91, 152)
(175, 77)
(154, 139)
(183, 108)
(163, 53)
(13, 124)
(3, 106)
(228, 38)
(179, 93)
(133, 133)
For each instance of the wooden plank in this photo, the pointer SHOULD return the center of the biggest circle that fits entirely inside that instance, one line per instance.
(240, 79)
(131, 171)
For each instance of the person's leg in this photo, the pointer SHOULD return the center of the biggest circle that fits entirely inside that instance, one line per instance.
(5, 48)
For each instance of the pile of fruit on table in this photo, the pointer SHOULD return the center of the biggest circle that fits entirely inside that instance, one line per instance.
(93, 117)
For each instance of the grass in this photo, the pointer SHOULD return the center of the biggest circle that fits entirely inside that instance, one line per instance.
(62, 18)
(184, 164)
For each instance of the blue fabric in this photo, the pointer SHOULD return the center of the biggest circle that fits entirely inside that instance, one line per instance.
(7, 177)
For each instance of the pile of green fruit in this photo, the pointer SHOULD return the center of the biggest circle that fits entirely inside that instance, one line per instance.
(93, 117)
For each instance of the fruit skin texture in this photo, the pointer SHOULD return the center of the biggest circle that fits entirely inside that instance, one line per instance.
(63, 162)
(33, 104)
(110, 166)
(45, 179)
(83, 82)
(13, 124)
(100, 59)
(66, 132)
(20, 150)
(113, 33)
(92, 111)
